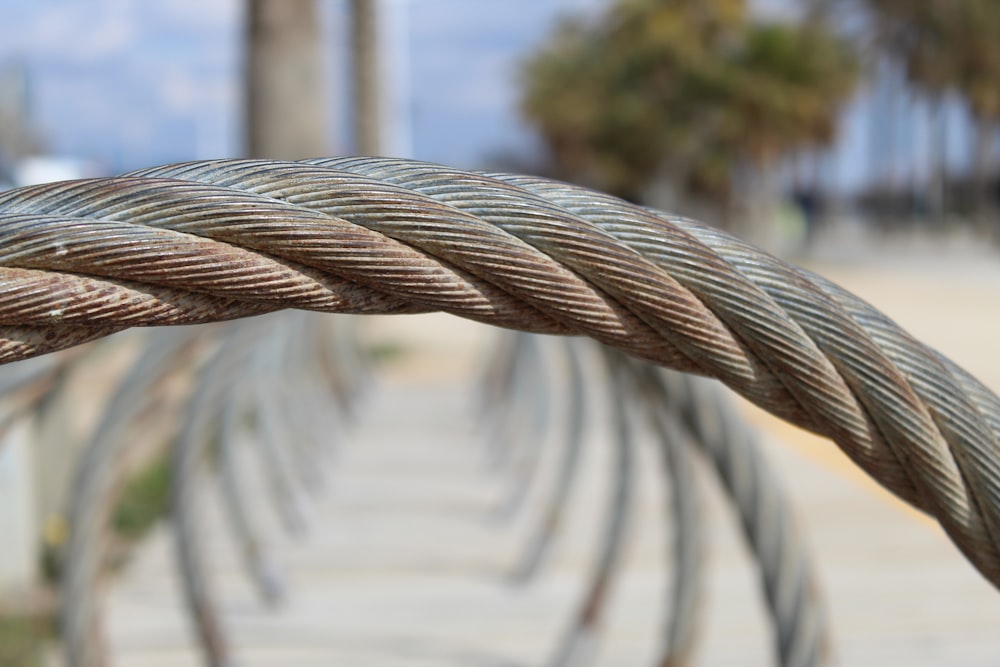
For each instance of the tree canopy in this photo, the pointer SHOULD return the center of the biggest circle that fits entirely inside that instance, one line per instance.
(952, 46)
(946, 46)
(691, 88)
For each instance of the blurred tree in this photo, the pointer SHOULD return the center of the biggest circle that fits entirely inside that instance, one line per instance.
(953, 46)
(691, 91)
(611, 98)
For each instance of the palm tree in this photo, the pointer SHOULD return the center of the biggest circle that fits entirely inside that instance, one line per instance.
(786, 84)
(285, 84)
(688, 88)
(364, 29)
(951, 46)
(610, 99)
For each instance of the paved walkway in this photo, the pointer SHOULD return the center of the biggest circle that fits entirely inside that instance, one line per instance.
(405, 566)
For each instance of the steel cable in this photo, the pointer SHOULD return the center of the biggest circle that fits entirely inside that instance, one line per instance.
(690, 416)
(677, 449)
(94, 487)
(214, 240)
(275, 419)
(258, 559)
(28, 386)
(201, 415)
(518, 417)
(285, 479)
(800, 627)
(553, 513)
(526, 425)
(685, 519)
(579, 646)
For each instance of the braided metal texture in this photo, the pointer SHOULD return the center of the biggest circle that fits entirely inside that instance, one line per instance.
(218, 240)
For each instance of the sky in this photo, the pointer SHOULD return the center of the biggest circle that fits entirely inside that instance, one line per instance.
(131, 83)
(124, 82)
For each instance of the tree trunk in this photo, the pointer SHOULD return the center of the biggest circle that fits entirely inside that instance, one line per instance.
(286, 114)
(756, 214)
(937, 199)
(984, 208)
(367, 122)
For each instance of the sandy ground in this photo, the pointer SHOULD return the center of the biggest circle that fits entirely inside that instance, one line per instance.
(406, 564)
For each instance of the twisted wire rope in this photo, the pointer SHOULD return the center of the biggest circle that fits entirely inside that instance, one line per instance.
(676, 453)
(92, 493)
(296, 467)
(713, 427)
(334, 378)
(272, 341)
(24, 375)
(579, 646)
(207, 411)
(312, 405)
(257, 557)
(526, 426)
(677, 449)
(28, 386)
(204, 406)
(513, 398)
(379, 235)
(240, 344)
(346, 365)
(539, 545)
(283, 480)
(689, 415)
